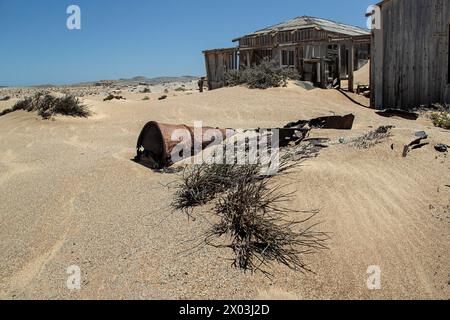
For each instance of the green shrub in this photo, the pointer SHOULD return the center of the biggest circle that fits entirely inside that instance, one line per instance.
(265, 75)
(68, 106)
(145, 98)
(441, 120)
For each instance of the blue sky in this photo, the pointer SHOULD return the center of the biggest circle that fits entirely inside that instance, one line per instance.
(127, 38)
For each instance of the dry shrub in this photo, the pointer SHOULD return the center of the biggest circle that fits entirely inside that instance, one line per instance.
(68, 106)
(252, 215)
(199, 184)
(47, 106)
(111, 96)
(251, 212)
(265, 75)
(202, 183)
(6, 111)
(235, 78)
(372, 138)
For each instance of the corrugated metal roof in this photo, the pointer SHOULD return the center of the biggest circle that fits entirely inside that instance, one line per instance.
(306, 22)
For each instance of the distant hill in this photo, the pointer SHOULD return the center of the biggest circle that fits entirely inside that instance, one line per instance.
(133, 81)
(39, 86)
(158, 80)
(141, 80)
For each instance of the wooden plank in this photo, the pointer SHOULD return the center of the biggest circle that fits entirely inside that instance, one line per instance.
(412, 50)
(208, 70)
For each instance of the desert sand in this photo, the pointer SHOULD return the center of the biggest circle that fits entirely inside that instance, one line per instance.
(70, 195)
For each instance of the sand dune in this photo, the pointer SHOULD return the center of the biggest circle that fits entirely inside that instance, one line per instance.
(69, 195)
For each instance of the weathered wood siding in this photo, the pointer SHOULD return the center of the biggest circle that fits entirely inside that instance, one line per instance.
(411, 54)
(218, 62)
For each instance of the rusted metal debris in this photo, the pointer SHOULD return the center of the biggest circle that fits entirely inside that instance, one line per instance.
(156, 141)
(287, 135)
(416, 144)
(441, 148)
(330, 122)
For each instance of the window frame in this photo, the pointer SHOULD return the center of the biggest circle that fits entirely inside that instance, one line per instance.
(288, 57)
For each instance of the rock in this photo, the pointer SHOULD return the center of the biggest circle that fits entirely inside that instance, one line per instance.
(421, 134)
(441, 148)
(343, 140)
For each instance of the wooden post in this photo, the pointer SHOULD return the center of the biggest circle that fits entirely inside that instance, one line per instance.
(338, 67)
(351, 67)
(300, 60)
(208, 71)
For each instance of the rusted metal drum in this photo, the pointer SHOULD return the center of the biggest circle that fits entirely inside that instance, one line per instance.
(157, 141)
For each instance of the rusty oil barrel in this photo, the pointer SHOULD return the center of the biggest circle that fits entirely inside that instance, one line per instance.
(158, 140)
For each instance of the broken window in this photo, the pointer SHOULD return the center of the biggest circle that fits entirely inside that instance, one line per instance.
(265, 40)
(284, 37)
(287, 58)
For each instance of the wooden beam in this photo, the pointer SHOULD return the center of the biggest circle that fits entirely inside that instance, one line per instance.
(351, 66)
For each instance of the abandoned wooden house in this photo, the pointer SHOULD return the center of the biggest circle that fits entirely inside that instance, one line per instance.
(410, 49)
(323, 51)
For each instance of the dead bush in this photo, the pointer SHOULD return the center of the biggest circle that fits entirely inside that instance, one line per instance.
(251, 212)
(253, 217)
(372, 138)
(199, 184)
(202, 183)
